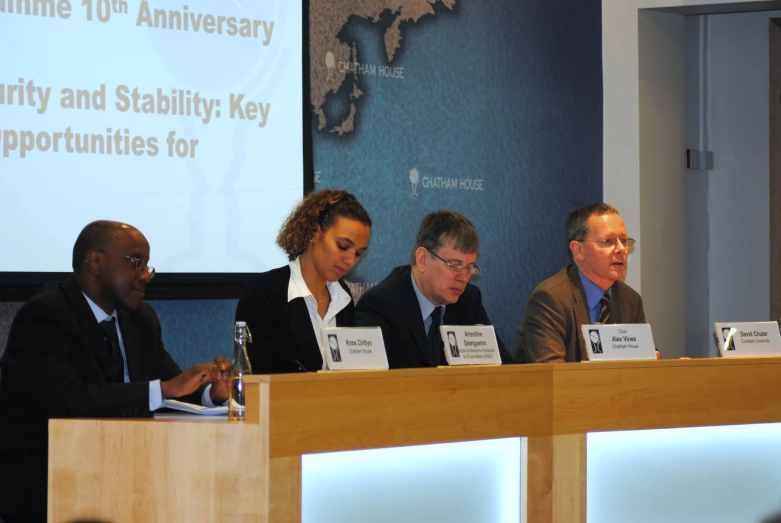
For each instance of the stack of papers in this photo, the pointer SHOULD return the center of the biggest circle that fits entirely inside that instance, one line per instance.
(195, 409)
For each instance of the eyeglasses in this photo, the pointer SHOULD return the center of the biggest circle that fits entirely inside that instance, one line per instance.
(613, 242)
(138, 264)
(457, 267)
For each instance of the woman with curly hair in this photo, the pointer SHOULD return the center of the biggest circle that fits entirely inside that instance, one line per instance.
(286, 308)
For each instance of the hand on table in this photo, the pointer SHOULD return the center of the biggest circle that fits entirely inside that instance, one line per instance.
(220, 385)
(188, 381)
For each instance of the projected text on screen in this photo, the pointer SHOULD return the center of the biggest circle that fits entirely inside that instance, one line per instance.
(183, 120)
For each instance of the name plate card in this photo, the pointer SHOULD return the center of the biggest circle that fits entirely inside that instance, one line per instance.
(354, 348)
(736, 340)
(616, 342)
(470, 345)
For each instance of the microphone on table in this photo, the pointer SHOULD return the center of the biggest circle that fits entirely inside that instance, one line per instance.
(292, 359)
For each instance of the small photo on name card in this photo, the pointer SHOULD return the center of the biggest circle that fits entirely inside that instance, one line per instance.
(747, 339)
(470, 345)
(616, 342)
(354, 348)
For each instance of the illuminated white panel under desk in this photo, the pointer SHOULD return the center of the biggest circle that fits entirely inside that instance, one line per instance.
(727, 474)
(466, 482)
(299, 426)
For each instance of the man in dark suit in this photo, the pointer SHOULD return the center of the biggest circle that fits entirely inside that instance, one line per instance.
(88, 347)
(589, 291)
(413, 301)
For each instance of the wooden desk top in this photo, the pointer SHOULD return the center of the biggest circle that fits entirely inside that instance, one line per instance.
(321, 412)
(217, 470)
(334, 411)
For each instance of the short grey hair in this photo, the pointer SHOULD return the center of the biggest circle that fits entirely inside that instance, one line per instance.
(577, 220)
(441, 227)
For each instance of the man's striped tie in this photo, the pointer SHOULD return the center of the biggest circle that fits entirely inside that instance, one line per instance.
(604, 308)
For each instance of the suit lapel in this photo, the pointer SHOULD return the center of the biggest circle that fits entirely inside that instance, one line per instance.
(581, 318)
(86, 318)
(619, 307)
(415, 323)
(418, 331)
(579, 311)
(131, 342)
(304, 335)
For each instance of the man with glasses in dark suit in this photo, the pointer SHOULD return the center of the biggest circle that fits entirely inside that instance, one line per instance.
(87, 347)
(589, 291)
(415, 300)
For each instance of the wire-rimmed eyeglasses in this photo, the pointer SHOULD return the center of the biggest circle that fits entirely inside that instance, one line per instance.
(138, 264)
(457, 267)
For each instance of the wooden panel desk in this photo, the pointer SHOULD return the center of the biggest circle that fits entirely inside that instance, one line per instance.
(216, 470)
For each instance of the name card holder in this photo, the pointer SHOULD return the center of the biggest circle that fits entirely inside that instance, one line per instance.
(617, 342)
(470, 345)
(354, 348)
(748, 339)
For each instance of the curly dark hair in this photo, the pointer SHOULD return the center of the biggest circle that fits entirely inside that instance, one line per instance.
(319, 208)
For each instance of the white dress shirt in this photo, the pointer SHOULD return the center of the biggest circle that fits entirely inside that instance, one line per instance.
(426, 306)
(339, 300)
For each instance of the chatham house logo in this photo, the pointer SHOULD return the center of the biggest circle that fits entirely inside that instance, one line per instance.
(414, 179)
(330, 64)
(443, 182)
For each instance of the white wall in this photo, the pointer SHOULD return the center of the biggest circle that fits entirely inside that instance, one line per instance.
(698, 337)
(661, 38)
(727, 264)
(626, 169)
(738, 195)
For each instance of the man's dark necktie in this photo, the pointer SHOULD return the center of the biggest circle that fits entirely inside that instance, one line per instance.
(435, 337)
(604, 308)
(109, 327)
